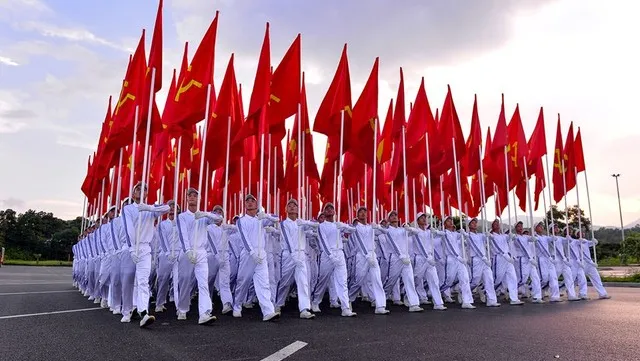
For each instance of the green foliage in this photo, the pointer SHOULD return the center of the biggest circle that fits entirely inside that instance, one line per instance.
(576, 218)
(24, 235)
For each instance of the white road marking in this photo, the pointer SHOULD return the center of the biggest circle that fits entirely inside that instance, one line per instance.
(49, 313)
(41, 282)
(33, 293)
(285, 352)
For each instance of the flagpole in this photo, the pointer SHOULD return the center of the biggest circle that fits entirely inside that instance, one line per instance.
(84, 212)
(241, 184)
(506, 174)
(206, 186)
(404, 173)
(526, 179)
(276, 202)
(586, 183)
(340, 162)
(442, 200)
(426, 141)
(575, 169)
(268, 200)
(483, 199)
(364, 180)
(374, 189)
(133, 151)
(415, 204)
(455, 167)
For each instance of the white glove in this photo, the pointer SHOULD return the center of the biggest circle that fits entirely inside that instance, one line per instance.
(134, 257)
(595, 242)
(373, 262)
(406, 261)
(255, 257)
(375, 226)
(145, 207)
(229, 227)
(269, 229)
(191, 254)
(486, 261)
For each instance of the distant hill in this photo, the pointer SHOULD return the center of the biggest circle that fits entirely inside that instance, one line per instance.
(633, 224)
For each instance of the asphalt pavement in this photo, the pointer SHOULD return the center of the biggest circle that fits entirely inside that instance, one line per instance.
(42, 317)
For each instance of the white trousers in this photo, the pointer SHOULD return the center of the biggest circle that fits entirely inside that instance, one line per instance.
(397, 271)
(588, 270)
(423, 271)
(567, 275)
(527, 271)
(104, 277)
(505, 277)
(332, 271)
(219, 270)
(249, 271)
(549, 276)
(293, 267)
(115, 286)
(456, 271)
(480, 272)
(127, 280)
(143, 270)
(186, 272)
(165, 268)
(365, 272)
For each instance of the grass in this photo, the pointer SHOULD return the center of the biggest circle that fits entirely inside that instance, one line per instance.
(615, 261)
(17, 262)
(635, 278)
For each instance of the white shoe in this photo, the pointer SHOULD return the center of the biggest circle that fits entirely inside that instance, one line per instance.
(91, 298)
(604, 297)
(574, 298)
(97, 300)
(160, 309)
(147, 320)
(307, 315)
(271, 317)
(248, 305)
(516, 303)
(537, 300)
(493, 304)
(126, 319)
(425, 301)
(448, 299)
(585, 298)
(116, 311)
(382, 311)
(277, 309)
(334, 305)
(483, 296)
(227, 308)
(206, 319)
(104, 304)
(460, 297)
(398, 303)
(182, 316)
(315, 308)
(468, 306)
(554, 300)
(439, 307)
(416, 309)
(237, 314)
(348, 313)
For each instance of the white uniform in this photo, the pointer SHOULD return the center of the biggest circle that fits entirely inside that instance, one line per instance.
(563, 266)
(425, 267)
(367, 268)
(583, 265)
(192, 234)
(503, 265)
(456, 269)
(527, 265)
(165, 234)
(400, 265)
(253, 265)
(546, 266)
(480, 265)
(218, 258)
(333, 265)
(293, 263)
(140, 219)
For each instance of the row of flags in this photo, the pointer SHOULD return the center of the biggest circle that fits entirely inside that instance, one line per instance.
(421, 157)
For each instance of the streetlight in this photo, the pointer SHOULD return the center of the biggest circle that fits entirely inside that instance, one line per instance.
(620, 208)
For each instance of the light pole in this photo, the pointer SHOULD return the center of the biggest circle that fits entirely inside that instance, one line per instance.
(620, 208)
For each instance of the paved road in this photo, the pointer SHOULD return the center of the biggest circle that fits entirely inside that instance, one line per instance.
(590, 330)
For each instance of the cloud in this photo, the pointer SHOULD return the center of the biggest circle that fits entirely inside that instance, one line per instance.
(74, 34)
(13, 8)
(7, 61)
(13, 203)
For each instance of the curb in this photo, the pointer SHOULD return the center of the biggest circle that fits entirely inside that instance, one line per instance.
(619, 284)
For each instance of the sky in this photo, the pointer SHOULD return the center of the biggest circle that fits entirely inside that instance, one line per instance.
(60, 60)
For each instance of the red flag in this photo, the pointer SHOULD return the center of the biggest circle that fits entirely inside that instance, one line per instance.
(470, 164)
(558, 167)
(155, 53)
(363, 123)
(384, 140)
(579, 154)
(570, 159)
(188, 106)
(517, 149)
(261, 86)
(285, 96)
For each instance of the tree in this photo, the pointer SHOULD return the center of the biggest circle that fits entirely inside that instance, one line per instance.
(574, 212)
